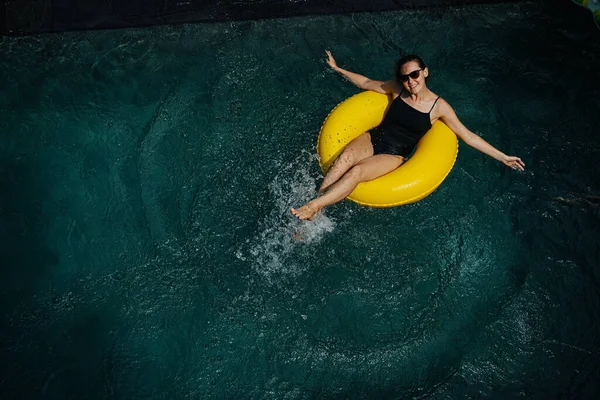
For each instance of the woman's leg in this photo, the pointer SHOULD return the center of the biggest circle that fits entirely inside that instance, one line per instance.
(366, 170)
(355, 151)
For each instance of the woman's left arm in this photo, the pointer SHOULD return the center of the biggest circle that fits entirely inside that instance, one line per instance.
(448, 116)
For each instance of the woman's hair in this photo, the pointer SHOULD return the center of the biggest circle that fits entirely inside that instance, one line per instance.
(406, 59)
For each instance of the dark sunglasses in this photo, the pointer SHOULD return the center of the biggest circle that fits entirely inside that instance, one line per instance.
(415, 74)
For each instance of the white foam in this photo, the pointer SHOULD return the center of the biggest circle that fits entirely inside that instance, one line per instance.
(279, 249)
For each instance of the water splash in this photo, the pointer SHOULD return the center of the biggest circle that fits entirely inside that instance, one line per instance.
(281, 246)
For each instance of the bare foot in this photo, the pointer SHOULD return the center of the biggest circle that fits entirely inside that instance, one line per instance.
(307, 211)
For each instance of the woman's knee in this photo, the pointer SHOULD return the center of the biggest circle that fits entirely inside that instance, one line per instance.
(359, 149)
(348, 156)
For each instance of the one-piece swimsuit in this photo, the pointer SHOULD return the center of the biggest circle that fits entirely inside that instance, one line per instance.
(401, 129)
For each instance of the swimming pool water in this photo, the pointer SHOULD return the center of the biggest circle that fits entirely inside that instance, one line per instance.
(148, 249)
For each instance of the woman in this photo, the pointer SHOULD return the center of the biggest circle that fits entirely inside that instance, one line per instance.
(375, 153)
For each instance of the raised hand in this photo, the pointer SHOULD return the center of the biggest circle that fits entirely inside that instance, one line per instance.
(330, 60)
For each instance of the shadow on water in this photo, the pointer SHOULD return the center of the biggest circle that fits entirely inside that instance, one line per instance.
(24, 226)
(26, 259)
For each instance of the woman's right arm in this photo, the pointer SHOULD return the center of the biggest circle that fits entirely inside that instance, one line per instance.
(384, 87)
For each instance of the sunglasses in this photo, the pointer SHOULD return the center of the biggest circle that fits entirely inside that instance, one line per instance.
(414, 75)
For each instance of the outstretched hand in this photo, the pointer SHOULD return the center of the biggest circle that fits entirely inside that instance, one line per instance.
(330, 60)
(514, 162)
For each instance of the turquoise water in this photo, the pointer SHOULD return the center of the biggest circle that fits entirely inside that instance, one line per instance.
(148, 251)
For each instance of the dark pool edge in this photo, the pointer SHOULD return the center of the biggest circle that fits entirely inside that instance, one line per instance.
(25, 18)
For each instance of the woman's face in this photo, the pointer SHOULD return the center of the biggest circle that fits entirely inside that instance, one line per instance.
(413, 77)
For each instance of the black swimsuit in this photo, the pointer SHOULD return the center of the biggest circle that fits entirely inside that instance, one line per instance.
(401, 129)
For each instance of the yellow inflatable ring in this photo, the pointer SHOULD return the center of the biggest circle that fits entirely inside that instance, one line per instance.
(415, 179)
